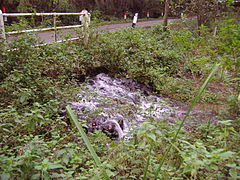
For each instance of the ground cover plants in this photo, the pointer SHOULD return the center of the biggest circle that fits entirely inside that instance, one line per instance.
(39, 141)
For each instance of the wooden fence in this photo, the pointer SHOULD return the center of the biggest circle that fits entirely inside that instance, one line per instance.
(85, 23)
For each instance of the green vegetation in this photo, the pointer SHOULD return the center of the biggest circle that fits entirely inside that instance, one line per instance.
(74, 118)
(38, 140)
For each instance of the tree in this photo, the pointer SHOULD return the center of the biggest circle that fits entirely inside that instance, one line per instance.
(206, 11)
(165, 18)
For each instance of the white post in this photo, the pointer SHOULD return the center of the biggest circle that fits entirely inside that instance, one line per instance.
(135, 18)
(182, 16)
(2, 28)
(148, 15)
(55, 27)
(125, 16)
(86, 22)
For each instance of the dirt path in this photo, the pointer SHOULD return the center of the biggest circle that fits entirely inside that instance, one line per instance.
(48, 36)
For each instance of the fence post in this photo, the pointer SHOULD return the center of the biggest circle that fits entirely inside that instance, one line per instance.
(86, 21)
(2, 28)
(55, 27)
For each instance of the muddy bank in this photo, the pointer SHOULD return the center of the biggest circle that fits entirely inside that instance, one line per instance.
(119, 105)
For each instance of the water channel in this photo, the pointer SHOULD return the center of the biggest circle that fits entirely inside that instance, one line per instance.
(118, 105)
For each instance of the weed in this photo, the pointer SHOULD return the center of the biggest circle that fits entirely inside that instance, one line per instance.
(38, 141)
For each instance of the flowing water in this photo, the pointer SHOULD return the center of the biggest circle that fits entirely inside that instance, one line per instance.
(118, 105)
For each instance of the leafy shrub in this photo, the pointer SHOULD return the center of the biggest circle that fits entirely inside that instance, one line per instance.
(96, 15)
(38, 142)
(229, 46)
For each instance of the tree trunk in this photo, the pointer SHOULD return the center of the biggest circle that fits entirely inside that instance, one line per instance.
(165, 18)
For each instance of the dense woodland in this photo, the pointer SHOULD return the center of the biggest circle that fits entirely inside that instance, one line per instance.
(205, 9)
(191, 62)
(112, 7)
(107, 6)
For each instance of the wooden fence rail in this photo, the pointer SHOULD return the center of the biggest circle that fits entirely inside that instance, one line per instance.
(85, 23)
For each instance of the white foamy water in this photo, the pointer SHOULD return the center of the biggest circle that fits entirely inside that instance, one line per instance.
(121, 100)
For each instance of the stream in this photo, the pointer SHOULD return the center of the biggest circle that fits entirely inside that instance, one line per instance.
(118, 105)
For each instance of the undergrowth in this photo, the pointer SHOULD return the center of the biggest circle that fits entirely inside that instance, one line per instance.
(39, 142)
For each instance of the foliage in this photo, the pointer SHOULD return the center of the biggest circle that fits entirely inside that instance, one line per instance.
(108, 7)
(74, 118)
(229, 35)
(195, 100)
(96, 15)
(39, 142)
(205, 10)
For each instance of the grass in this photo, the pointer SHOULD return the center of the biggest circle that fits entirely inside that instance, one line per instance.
(38, 140)
(195, 100)
(74, 118)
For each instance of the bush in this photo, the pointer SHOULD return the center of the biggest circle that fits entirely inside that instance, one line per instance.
(38, 142)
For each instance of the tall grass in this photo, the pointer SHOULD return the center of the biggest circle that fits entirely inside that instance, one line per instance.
(148, 163)
(74, 118)
(195, 100)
